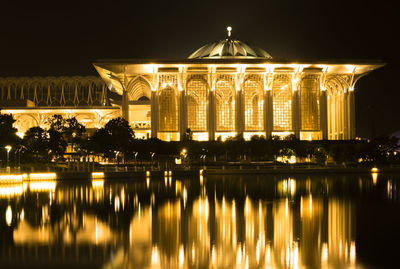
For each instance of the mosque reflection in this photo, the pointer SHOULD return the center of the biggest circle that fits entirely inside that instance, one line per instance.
(221, 222)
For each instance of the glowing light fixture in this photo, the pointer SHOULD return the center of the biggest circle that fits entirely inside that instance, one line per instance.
(229, 29)
(97, 175)
(11, 190)
(9, 215)
(374, 178)
(42, 186)
(8, 148)
(11, 178)
(98, 183)
(42, 176)
(374, 170)
(154, 256)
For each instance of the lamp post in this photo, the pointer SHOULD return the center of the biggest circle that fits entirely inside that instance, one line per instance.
(152, 157)
(8, 148)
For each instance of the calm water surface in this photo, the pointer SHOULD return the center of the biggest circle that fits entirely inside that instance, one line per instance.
(319, 221)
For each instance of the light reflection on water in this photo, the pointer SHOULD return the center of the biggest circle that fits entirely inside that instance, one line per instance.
(214, 222)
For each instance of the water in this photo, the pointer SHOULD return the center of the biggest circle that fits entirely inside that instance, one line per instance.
(318, 221)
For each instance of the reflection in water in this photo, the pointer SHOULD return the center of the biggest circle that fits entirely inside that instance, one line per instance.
(194, 223)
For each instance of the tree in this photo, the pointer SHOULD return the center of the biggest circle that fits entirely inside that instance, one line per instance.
(56, 143)
(56, 122)
(320, 155)
(36, 143)
(116, 136)
(74, 132)
(382, 147)
(101, 142)
(187, 136)
(8, 134)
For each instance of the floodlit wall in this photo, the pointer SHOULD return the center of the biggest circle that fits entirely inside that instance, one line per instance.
(212, 102)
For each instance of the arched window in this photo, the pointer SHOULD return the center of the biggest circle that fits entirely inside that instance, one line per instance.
(197, 104)
(335, 109)
(139, 88)
(225, 106)
(282, 102)
(168, 107)
(309, 103)
(253, 104)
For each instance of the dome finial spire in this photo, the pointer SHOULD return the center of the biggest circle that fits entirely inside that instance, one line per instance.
(229, 29)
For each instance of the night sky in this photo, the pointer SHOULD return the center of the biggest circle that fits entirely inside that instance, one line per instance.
(53, 38)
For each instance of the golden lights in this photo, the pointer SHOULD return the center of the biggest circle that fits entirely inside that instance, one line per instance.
(97, 175)
(42, 176)
(42, 186)
(11, 178)
(9, 215)
(98, 183)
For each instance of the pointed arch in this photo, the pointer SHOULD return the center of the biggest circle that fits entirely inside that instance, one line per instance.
(335, 107)
(253, 103)
(138, 88)
(168, 110)
(196, 89)
(225, 105)
(309, 102)
(282, 99)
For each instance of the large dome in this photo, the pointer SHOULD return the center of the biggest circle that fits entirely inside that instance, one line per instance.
(229, 48)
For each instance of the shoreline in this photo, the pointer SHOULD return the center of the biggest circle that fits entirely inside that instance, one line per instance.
(140, 175)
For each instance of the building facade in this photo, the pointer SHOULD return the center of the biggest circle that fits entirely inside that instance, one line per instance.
(223, 89)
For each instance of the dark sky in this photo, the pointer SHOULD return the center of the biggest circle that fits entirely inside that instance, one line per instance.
(64, 37)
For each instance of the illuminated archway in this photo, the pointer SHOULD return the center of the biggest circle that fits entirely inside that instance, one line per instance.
(282, 102)
(168, 107)
(225, 106)
(197, 104)
(335, 108)
(253, 104)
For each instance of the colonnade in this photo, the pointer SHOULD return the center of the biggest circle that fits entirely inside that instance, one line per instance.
(324, 110)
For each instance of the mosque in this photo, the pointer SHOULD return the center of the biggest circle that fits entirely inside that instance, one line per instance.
(222, 89)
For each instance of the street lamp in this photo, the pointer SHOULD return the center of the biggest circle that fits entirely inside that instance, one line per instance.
(116, 156)
(8, 148)
(152, 157)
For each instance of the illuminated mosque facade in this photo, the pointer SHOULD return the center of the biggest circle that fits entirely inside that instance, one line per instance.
(223, 89)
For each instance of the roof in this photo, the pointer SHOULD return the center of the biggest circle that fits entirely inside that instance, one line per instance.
(229, 48)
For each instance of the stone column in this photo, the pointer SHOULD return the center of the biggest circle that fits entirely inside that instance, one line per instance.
(154, 114)
(125, 105)
(182, 113)
(296, 123)
(352, 115)
(239, 124)
(323, 115)
(211, 115)
(345, 118)
(268, 114)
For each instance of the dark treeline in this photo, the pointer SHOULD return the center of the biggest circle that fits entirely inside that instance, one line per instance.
(68, 139)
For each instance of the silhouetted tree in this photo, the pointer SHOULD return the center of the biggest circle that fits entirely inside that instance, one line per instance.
(116, 136)
(101, 142)
(74, 133)
(36, 142)
(8, 135)
(56, 122)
